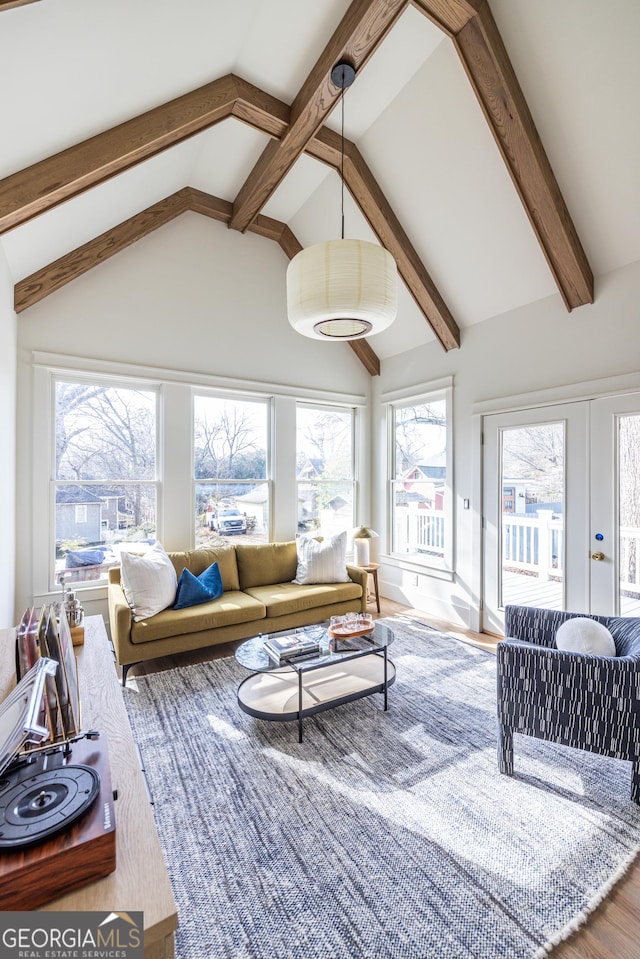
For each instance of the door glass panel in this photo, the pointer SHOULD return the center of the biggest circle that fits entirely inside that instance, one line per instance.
(532, 516)
(629, 514)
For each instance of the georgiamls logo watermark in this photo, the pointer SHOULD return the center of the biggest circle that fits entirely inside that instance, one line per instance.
(71, 935)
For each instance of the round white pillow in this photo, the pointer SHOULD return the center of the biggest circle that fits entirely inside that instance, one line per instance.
(584, 635)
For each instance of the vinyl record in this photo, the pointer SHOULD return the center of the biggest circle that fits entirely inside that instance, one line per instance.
(38, 806)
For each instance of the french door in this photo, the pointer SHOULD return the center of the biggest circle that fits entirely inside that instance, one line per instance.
(561, 508)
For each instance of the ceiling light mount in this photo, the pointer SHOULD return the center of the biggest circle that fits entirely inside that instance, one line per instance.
(343, 74)
(342, 289)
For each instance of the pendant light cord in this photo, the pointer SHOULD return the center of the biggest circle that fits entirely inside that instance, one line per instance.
(342, 152)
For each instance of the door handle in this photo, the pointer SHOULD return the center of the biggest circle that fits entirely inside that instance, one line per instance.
(597, 556)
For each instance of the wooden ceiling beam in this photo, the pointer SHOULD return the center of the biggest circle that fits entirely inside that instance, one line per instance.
(365, 24)
(69, 267)
(489, 69)
(450, 15)
(10, 4)
(377, 210)
(49, 182)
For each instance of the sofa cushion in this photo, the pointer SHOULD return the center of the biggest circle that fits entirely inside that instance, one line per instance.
(149, 581)
(284, 598)
(263, 564)
(322, 562)
(195, 590)
(197, 560)
(231, 608)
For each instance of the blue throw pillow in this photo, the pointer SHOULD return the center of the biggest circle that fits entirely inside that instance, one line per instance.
(193, 590)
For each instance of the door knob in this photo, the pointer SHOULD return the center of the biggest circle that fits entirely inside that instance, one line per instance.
(597, 556)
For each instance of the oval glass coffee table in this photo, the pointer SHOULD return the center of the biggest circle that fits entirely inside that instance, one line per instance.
(339, 673)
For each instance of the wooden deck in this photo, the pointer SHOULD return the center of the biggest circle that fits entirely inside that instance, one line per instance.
(522, 590)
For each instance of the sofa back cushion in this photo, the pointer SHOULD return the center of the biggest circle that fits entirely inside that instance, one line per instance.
(197, 560)
(264, 564)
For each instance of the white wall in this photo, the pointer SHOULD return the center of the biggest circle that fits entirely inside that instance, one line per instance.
(537, 347)
(7, 445)
(193, 298)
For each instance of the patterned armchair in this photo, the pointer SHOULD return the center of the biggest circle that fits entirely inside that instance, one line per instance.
(590, 702)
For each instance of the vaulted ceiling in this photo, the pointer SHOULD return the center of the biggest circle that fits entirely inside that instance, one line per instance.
(493, 147)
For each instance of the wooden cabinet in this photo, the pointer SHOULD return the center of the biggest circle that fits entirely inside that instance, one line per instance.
(140, 881)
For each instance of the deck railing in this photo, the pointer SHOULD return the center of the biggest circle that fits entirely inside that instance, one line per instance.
(531, 544)
(419, 531)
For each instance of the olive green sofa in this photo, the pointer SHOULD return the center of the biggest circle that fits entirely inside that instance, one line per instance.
(259, 597)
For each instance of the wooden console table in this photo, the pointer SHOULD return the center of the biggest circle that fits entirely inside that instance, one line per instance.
(140, 881)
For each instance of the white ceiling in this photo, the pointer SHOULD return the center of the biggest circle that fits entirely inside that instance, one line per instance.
(77, 67)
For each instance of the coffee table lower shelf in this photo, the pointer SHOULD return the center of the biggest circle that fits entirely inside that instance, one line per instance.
(276, 695)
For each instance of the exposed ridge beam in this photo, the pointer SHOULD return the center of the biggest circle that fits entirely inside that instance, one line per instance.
(365, 24)
(69, 267)
(43, 185)
(487, 64)
(375, 207)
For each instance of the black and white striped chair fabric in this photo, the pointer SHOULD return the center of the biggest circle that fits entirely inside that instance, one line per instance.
(589, 702)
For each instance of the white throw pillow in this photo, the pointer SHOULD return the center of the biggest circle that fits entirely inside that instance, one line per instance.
(149, 581)
(322, 562)
(584, 635)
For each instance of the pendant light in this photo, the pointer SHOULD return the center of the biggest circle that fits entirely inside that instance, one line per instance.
(342, 289)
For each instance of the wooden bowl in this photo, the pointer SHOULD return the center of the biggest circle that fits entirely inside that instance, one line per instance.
(347, 632)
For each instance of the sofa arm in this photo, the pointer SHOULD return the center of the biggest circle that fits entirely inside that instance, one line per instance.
(361, 577)
(119, 620)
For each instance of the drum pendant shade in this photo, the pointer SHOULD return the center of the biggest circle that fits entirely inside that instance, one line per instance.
(342, 289)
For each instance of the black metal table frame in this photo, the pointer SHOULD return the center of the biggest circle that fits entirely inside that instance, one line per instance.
(305, 664)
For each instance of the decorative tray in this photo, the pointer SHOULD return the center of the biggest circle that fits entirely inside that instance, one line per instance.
(347, 632)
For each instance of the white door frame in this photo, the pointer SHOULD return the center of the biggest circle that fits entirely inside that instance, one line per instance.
(605, 387)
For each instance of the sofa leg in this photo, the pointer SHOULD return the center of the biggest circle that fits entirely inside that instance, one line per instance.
(125, 670)
(505, 750)
(635, 782)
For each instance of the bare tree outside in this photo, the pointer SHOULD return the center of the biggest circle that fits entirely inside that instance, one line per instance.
(105, 471)
(536, 454)
(230, 440)
(420, 479)
(324, 469)
(420, 432)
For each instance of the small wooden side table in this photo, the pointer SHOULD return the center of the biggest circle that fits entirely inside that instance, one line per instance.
(372, 569)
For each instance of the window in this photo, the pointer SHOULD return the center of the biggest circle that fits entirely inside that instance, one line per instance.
(420, 478)
(325, 469)
(232, 492)
(104, 475)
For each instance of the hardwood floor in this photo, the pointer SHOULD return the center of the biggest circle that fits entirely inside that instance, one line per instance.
(613, 931)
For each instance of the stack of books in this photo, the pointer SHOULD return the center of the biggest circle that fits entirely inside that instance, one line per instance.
(282, 648)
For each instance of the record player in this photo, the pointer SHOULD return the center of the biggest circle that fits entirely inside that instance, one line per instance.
(57, 823)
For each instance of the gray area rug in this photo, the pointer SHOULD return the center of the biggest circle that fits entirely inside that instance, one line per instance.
(387, 835)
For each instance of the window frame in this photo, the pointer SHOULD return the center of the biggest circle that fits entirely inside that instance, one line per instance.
(35, 519)
(45, 570)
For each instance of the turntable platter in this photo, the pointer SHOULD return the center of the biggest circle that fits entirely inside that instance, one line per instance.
(38, 806)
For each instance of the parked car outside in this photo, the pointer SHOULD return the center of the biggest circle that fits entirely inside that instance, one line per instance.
(227, 521)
